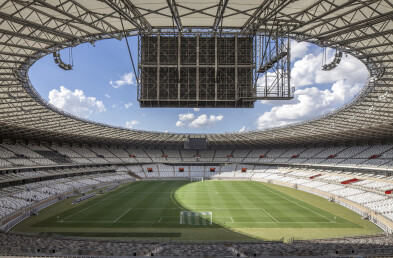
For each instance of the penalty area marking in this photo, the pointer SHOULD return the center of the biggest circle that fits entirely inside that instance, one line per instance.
(330, 221)
(95, 204)
(269, 215)
(122, 215)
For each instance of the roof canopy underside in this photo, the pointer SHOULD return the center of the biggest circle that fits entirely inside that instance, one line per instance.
(31, 29)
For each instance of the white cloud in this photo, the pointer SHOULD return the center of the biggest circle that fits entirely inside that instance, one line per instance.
(125, 79)
(197, 109)
(201, 121)
(186, 117)
(180, 124)
(307, 71)
(343, 83)
(107, 95)
(243, 129)
(304, 70)
(298, 49)
(75, 102)
(128, 105)
(309, 102)
(131, 124)
(350, 69)
(205, 121)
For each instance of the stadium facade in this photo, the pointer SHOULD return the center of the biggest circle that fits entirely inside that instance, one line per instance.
(37, 136)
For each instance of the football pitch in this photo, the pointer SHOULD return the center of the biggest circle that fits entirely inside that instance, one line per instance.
(208, 210)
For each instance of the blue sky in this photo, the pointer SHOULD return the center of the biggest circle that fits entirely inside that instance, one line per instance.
(102, 88)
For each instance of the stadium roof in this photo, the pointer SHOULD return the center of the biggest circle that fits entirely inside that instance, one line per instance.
(30, 29)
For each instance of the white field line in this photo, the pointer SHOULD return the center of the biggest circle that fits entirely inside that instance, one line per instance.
(122, 215)
(219, 219)
(182, 192)
(95, 204)
(86, 221)
(289, 222)
(331, 221)
(270, 215)
(160, 220)
(136, 222)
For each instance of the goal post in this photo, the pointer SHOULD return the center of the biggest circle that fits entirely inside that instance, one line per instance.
(196, 217)
(196, 179)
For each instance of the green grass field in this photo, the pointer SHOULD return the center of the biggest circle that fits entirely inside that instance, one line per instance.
(241, 210)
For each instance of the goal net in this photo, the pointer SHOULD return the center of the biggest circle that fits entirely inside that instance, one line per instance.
(196, 178)
(196, 217)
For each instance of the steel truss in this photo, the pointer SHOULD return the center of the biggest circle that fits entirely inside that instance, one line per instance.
(32, 29)
(196, 69)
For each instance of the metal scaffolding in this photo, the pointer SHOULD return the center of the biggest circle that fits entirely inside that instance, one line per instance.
(30, 30)
(273, 58)
(195, 70)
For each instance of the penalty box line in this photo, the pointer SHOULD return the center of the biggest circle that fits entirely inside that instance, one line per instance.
(95, 204)
(122, 215)
(330, 221)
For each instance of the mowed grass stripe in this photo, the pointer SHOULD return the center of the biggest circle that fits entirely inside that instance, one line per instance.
(166, 214)
(153, 198)
(272, 204)
(94, 203)
(157, 204)
(260, 201)
(237, 194)
(310, 212)
(110, 208)
(263, 203)
(299, 204)
(226, 200)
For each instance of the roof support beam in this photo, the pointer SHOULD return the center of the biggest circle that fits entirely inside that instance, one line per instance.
(25, 47)
(257, 13)
(95, 24)
(175, 14)
(353, 27)
(137, 15)
(33, 38)
(220, 13)
(271, 9)
(317, 18)
(128, 14)
(37, 26)
(358, 39)
(2, 53)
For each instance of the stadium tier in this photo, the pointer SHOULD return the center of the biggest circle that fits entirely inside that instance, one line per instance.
(26, 155)
(322, 187)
